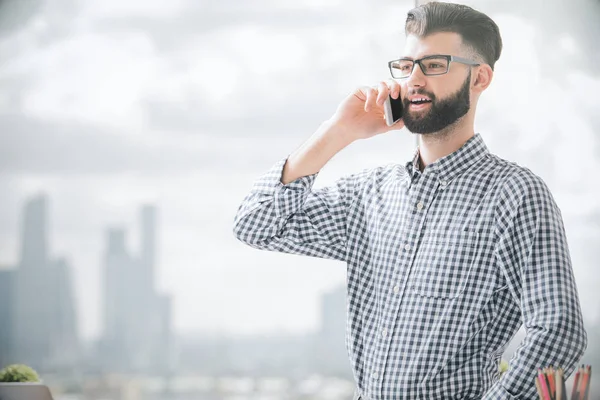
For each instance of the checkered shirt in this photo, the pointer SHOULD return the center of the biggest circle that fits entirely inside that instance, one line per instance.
(443, 268)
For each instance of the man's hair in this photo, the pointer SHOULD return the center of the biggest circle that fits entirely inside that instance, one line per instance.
(478, 31)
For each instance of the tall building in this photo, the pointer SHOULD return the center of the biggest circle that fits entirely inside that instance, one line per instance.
(6, 315)
(137, 319)
(116, 261)
(44, 329)
(34, 234)
(332, 355)
(32, 311)
(119, 314)
(148, 244)
(66, 347)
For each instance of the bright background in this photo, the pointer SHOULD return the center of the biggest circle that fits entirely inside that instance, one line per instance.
(108, 105)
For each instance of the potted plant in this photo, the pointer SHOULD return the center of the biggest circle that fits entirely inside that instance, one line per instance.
(20, 381)
(18, 373)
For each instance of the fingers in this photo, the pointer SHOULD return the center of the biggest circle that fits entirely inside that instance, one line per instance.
(384, 92)
(371, 96)
(376, 95)
(394, 88)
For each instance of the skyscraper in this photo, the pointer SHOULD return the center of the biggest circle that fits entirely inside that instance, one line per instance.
(6, 315)
(137, 320)
(117, 300)
(44, 330)
(332, 354)
(34, 244)
(66, 347)
(148, 244)
(32, 313)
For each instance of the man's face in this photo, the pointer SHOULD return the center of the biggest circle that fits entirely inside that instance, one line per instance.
(449, 94)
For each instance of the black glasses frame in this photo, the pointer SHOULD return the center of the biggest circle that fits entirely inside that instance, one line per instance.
(449, 58)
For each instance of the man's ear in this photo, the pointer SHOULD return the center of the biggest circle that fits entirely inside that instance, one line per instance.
(483, 77)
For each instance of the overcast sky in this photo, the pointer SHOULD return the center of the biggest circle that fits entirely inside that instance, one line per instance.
(109, 105)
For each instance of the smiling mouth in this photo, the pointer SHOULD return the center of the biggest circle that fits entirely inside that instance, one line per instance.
(419, 105)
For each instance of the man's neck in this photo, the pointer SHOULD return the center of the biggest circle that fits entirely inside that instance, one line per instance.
(440, 144)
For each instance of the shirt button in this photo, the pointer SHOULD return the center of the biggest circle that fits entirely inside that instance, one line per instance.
(419, 206)
(396, 289)
(444, 183)
(375, 375)
(384, 332)
(407, 247)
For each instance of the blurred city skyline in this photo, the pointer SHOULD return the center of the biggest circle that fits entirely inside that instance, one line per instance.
(108, 105)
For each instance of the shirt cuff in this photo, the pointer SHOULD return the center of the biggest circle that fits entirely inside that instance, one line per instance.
(287, 199)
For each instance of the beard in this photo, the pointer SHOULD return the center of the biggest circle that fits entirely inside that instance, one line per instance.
(441, 113)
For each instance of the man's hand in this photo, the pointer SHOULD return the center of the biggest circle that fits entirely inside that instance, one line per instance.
(361, 114)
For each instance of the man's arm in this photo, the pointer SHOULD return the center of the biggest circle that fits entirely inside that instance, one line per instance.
(312, 156)
(283, 213)
(532, 251)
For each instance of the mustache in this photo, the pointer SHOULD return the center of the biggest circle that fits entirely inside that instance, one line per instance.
(406, 102)
(420, 92)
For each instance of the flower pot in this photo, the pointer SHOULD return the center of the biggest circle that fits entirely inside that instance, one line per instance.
(24, 391)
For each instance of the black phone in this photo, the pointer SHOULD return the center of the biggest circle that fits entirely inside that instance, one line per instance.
(392, 109)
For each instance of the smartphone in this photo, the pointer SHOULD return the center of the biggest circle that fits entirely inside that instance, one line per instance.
(392, 109)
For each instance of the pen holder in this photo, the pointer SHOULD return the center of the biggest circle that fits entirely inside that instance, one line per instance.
(550, 384)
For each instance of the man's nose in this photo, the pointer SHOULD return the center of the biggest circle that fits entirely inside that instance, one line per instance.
(417, 77)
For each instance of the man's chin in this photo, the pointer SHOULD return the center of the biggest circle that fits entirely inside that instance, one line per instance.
(417, 127)
(415, 120)
(418, 115)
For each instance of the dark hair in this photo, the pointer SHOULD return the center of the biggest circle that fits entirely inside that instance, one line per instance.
(478, 31)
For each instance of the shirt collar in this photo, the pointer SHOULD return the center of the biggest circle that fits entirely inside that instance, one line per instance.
(453, 165)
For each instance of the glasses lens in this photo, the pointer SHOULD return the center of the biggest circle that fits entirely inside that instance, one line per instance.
(435, 66)
(401, 68)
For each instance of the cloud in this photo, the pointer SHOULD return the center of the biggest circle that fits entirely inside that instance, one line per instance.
(34, 146)
(184, 104)
(48, 148)
(192, 67)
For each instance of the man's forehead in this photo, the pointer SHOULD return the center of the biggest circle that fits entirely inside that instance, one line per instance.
(435, 43)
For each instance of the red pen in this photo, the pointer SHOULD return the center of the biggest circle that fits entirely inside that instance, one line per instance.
(583, 383)
(551, 384)
(544, 384)
(589, 379)
(574, 392)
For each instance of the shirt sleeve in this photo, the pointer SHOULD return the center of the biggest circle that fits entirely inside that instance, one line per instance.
(294, 218)
(532, 251)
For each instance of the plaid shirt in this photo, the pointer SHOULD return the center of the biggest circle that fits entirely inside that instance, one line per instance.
(443, 268)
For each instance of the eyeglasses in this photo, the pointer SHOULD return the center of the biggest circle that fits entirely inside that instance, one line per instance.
(430, 65)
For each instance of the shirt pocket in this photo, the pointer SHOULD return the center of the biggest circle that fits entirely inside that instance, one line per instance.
(443, 264)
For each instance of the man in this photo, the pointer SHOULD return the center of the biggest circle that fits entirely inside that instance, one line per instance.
(448, 255)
